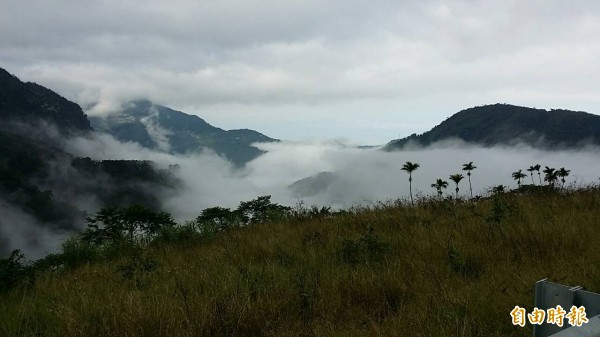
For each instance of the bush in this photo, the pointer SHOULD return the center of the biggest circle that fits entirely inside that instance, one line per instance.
(76, 252)
(367, 249)
(139, 269)
(300, 212)
(467, 267)
(14, 273)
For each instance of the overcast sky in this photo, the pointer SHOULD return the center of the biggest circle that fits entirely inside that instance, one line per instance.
(366, 71)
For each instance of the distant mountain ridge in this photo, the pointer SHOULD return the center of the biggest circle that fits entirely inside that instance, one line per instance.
(161, 128)
(505, 124)
(25, 102)
(42, 186)
(312, 185)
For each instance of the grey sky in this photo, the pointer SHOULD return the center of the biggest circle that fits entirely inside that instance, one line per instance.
(362, 70)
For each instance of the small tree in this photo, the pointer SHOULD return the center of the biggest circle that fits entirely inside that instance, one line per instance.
(518, 175)
(498, 189)
(216, 219)
(563, 173)
(439, 185)
(13, 272)
(410, 167)
(537, 168)
(260, 210)
(110, 225)
(550, 175)
(530, 170)
(469, 167)
(456, 178)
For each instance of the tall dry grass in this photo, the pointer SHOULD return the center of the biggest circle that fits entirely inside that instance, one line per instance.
(442, 268)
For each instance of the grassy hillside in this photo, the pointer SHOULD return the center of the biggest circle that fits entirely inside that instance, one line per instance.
(442, 268)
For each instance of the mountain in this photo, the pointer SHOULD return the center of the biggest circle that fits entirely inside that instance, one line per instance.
(48, 183)
(29, 102)
(43, 187)
(504, 124)
(160, 128)
(310, 186)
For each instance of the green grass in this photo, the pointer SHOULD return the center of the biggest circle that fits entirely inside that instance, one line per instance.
(437, 269)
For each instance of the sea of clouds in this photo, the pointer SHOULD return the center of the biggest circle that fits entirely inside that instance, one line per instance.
(360, 177)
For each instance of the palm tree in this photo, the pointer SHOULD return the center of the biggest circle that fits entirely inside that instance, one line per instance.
(456, 178)
(410, 168)
(438, 185)
(498, 189)
(518, 175)
(551, 175)
(469, 167)
(530, 170)
(562, 173)
(537, 168)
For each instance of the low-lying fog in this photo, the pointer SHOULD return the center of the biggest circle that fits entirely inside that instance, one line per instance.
(360, 177)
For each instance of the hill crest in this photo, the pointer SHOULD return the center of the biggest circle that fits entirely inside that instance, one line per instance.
(505, 124)
(28, 102)
(161, 128)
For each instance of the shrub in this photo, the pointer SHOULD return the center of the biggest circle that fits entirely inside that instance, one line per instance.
(184, 234)
(14, 273)
(76, 252)
(364, 250)
(300, 212)
(138, 269)
(467, 267)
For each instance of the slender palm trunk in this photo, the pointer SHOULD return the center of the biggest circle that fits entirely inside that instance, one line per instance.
(456, 191)
(540, 176)
(470, 187)
(410, 188)
(533, 182)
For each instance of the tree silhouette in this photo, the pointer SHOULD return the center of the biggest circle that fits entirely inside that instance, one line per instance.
(498, 189)
(530, 170)
(550, 175)
(469, 167)
(111, 224)
(518, 175)
(562, 173)
(218, 218)
(456, 178)
(439, 185)
(537, 168)
(260, 210)
(410, 168)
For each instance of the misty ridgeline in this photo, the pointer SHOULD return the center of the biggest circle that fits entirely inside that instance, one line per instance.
(58, 166)
(153, 222)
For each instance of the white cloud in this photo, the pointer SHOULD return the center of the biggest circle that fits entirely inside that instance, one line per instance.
(328, 58)
(362, 177)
